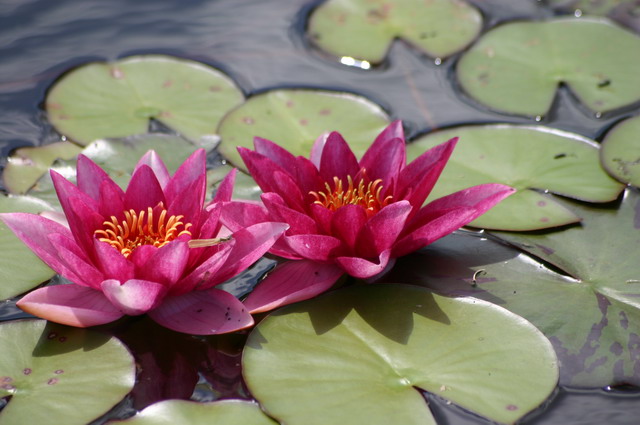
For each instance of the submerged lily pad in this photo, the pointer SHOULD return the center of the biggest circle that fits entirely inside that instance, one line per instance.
(102, 100)
(620, 153)
(525, 158)
(227, 412)
(516, 67)
(20, 268)
(26, 165)
(358, 356)
(55, 374)
(294, 118)
(365, 29)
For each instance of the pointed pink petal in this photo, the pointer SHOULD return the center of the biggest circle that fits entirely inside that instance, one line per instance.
(291, 282)
(72, 305)
(144, 190)
(91, 177)
(113, 264)
(337, 159)
(447, 214)
(167, 264)
(135, 296)
(279, 211)
(361, 268)
(346, 224)
(275, 153)
(313, 247)
(289, 190)
(386, 156)
(66, 190)
(250, 244)
(317, 148)
(260, 168)
(225, 188)
(83, 222)
(237, 215)
(323, 217)
(190, 204)
(192, 169)
(153, 161)
(205, 275)
(202, 313)
(383, 229)
(83, 272)
(111, 200)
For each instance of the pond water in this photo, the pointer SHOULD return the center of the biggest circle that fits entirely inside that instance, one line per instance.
(262, 45)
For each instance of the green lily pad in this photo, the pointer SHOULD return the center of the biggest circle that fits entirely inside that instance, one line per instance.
(294, 118)
(357, 356)
(245, 186)
(524, 158)
(227, 412)
(20, 268)
(26, 165)
(516, 67)
(102, 100)
(620, 152)
(57, 374)
(365, 29)
(598, 7)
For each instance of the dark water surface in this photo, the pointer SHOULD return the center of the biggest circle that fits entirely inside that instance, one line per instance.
(261, 45)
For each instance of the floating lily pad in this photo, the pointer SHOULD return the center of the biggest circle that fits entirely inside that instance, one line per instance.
(20, 268)
(358, 356)
(516, 67)
(26, 165)
(365, 29)
(102, 100)
(525, 158)
(55, 374)
(597, 7)
(294, 118)
(227, 412)
(620, 153)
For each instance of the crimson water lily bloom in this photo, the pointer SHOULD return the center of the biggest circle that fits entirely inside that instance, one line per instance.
(349, 216)
(150, 249)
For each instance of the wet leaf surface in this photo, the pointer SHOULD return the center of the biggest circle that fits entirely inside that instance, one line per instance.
(525, 158)
(620, 153)
(357, 356)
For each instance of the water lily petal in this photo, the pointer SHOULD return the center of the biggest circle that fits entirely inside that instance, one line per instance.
(317, 148)
(346, 224)
(144, 190)
(72, 305)
(190, 207)
(111, 200)
(135, 296)
(313, 247)
(66, 190)
(323, 217)
(362, 268)
(83, 221)
(382, 230)
(153, 161)
(298, 222)
(166, 264)
(192, 169)
(225, 188)
(202, 313)
(82, 271)
(337, 159)
(447, 214)
(91, 177)
(237, 215)
(275, 153)
(113, 264)
(205, 275)
(387, 155)
(291, 282)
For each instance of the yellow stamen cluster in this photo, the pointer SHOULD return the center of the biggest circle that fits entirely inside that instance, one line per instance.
(142, 228)
(367, 195)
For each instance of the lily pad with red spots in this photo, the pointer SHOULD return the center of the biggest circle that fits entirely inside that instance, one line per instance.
(365, 29)
(117, 99)
(362, 355)
(517, 67)
(55, 374)
(620, 153)
(294, 118)
(533, 160)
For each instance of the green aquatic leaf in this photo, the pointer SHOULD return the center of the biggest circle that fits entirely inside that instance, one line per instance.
(525, 158)
(294, 118)
(227, 412)
(245, 186)
(20, 268)
(620, 152)
(26, 165)
(359, 356)
(117, 99)
(55, 374)
(517, 67)
(365, 29)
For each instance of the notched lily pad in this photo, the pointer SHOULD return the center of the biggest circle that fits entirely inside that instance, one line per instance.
(20, 268)
(294, 118)
(57, 374)
(620, 152)
(365, 29)
(26, 165)
(102, 100)
(357, 356)
(525, 158)
(517, 67)
(227, 412)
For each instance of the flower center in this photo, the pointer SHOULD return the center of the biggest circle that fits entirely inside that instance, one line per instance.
(142, 228)
(365, 195)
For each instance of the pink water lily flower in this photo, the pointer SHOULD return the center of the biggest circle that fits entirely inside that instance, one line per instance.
(150, 249)
(349, 216)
